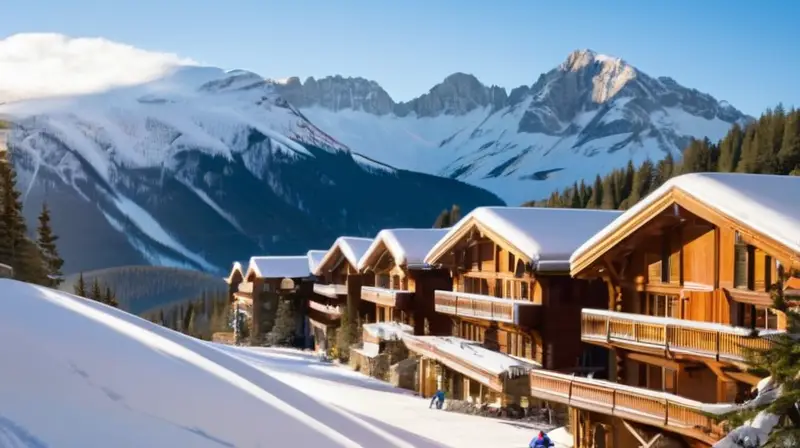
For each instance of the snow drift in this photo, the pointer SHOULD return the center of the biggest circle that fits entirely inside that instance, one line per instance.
(78, 373)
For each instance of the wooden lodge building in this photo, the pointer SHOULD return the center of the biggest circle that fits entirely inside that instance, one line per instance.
(267, 280)
(338, 283)
(687, 270)
(511, 305)
(402, 285)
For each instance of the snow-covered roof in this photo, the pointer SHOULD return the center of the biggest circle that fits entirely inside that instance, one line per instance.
(352, 248)
(314, 259)
(547, 236)
(407, 246)
(762, 202)
(237, 267)
(474, 353)
(279, 266)
(388, 331)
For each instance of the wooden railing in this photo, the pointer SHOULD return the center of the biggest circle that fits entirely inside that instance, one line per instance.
(710, 340)
(482, 307)
(631, 403)
(398, 298)
(331, 290)
(333, 311)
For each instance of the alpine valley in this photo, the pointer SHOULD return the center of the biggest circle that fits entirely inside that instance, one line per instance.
(195, 166)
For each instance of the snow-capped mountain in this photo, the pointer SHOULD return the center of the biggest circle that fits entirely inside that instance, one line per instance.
(194, 166)
(589, 115)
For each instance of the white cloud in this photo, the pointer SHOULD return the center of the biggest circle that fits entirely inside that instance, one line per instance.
(40, 65)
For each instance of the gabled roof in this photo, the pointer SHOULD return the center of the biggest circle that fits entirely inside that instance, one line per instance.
(545, 236)
(237, 267)
(314, 259)
(352, 248)
(766, 204)
(279, 267)
(407, 246)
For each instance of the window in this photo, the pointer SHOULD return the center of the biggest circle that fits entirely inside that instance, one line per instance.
(758, 317)
(741, 271)
(664, 306)
(524, 290)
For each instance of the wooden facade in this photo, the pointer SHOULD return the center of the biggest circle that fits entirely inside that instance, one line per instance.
(500, 300)
(403, 292)
(337, 287)
(688, 289)
(256, 294)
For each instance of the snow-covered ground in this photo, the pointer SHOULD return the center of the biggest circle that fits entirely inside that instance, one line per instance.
(77, 373)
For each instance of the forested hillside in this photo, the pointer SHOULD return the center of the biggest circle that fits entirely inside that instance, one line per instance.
(201, 316)
(139, 289)
(769, 145)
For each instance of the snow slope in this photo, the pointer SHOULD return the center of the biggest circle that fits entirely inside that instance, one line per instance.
(397, 411)
(78, 373)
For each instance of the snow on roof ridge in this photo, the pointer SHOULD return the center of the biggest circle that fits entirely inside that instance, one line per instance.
(548, 236)
(314, 258)
(408, 246)
(351, 247)
(280, 266)
(756, 200)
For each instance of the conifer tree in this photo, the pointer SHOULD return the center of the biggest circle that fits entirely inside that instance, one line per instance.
(789, 154)
(455, 214)
(443, 220)
(110, 298)
(80, 286)
(96, 293)
(781, 362)
(730, 149)
(12, 224)
(282, 332)
(47, 245)
(596, 199)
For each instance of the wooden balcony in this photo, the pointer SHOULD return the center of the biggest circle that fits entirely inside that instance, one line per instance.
(397, 298)
(332, 290)
(519, 312)
(669, 335)
(334, 312)
(671, 412)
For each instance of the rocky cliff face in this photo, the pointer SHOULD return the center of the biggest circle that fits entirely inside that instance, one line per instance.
(527, 142)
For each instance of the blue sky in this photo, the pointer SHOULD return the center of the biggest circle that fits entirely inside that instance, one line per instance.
(743, 52)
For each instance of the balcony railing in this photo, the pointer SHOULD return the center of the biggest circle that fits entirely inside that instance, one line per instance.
(710, 340)
(332, 290)
(485, 307)
(396, 298)
(332, 311)
(646, 406)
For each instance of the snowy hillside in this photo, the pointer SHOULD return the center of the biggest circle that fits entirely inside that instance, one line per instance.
(78, 373)
(585, 117)
(164, 162)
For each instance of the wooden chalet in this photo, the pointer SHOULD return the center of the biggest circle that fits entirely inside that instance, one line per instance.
(687, 270)
(338, 283)
(403, 284)
(512, 305)
(257, 290)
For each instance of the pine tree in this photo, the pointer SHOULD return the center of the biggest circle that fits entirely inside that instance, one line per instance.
(596, 199)
(455, 214)
(789, 154)
(282, 332)
(782, 363)
(80, 286)
(12, 224)
(730, 149)
(47, 245)
(96, 293)
(443, 220)
(642, 182)
(609, 202)
(110, 298)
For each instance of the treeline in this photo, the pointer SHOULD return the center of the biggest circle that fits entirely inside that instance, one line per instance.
(448, 218)
(200, 318)
(102, 294)
(769, 145)
(34, 259)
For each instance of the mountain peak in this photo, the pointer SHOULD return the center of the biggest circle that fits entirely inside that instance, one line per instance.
(580, 59)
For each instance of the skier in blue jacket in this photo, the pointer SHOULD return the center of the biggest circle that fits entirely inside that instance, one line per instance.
(438, 398)
(541, 441)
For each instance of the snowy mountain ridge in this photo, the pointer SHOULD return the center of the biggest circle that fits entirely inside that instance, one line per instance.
(590, 114)
(197, 167)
